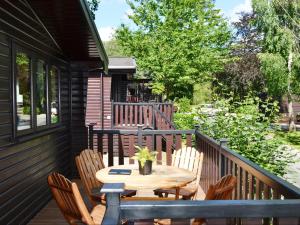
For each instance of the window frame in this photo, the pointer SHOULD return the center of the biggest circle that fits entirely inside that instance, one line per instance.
(49, 62)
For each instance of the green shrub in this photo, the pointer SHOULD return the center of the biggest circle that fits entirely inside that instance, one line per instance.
(183, 105)
(248, 131)
(185, 121)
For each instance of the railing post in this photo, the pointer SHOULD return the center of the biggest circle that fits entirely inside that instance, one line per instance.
(223, 143)
(91, 135)
(112, 114)
(112, 193)
(140, 135)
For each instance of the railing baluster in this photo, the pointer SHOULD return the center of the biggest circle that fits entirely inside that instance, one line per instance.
(126, 115)
(136, 115)
(131, 115)
(91, 135)
(121, 116)
(110, 149)
(131, 148)
(169, 149)
(100, 143)
(116, 115)
(158, 149)
(121, 149)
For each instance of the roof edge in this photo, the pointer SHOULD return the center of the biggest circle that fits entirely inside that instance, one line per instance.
(95, 34)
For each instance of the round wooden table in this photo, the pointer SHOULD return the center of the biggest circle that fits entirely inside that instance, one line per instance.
(162, 177)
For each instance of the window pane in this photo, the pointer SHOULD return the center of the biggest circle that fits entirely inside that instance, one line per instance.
(54, 95)
(41, 97)
(23, 91)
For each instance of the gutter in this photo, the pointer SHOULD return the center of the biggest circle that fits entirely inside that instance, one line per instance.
(95, 34)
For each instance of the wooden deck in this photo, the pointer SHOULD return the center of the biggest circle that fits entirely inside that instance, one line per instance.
(51, 215)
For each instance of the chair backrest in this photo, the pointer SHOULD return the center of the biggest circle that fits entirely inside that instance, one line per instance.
(189, 158)
(223, 189)
(68, 199)
(88, 163)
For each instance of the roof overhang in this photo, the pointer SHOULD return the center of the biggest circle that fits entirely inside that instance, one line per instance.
(71, 25)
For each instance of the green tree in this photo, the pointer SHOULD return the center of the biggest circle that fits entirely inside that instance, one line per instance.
(93, 4)
(242, 75)
(279, 22)
(113, 48)
(178, 43)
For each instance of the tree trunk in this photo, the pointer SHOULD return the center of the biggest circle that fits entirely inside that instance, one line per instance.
(292, 126)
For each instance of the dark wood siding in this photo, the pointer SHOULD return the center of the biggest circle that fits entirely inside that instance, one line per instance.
(107, 102)
(93, 108)
(79, 74)
(25, 162)
(5, 90)
(119, 87)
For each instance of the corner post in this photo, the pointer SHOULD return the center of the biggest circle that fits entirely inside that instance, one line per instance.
(91, 135)
(222, 165)
(112, 193)
(140, 135)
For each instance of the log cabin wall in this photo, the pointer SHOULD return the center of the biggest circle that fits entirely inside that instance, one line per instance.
(107, 111)
(119, 87)
(26, 161)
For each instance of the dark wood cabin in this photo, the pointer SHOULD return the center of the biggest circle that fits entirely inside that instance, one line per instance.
(52, 64)
(48, 49)
(105, 89)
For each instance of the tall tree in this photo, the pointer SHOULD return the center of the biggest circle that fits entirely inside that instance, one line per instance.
(112, 48)
(279, 21)
(178, 43)
(242, 76)
(93, 4)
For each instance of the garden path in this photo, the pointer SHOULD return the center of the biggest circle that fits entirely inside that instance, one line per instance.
(293, 171)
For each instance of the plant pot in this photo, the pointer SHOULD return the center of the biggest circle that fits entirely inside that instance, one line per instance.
(147, 169)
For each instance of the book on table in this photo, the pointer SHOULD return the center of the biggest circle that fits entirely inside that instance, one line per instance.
(119, 172)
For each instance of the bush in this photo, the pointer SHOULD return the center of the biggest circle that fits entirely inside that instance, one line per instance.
(248, 131)
(183, 105)
(185, 121)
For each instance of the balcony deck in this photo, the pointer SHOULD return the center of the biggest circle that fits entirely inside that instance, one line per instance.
(258, 192)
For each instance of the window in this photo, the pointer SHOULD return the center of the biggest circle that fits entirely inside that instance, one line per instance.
(23, 91)
(53, 95)
(36, 92)
(41, 94)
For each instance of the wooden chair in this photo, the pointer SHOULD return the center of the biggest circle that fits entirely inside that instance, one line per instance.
(70, 202)
(186, 158)
(222, 190)
(88, 163)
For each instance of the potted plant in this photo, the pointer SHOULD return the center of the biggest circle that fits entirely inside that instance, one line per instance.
(145, 158)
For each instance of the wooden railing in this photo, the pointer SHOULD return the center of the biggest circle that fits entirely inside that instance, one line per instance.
(118, 210)
(120, 143)
(130, 115)
(253, 182)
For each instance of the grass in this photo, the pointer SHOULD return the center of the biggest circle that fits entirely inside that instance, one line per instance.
(289, 138)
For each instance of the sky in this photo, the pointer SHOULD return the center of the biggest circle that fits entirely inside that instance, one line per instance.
(112, 13)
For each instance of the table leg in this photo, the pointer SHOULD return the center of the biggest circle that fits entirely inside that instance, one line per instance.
(177, 193)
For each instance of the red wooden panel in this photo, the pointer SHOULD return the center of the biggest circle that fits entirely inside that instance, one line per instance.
(116, 119)
(169, 149)
(135, 115)
(131, 115)
(178, 141)
(189, 140)
(158, 149)
(131, 148)
(126, 115)
(121, 115)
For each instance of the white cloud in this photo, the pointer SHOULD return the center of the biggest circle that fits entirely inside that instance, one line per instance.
(106, 33)
(246, 6)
